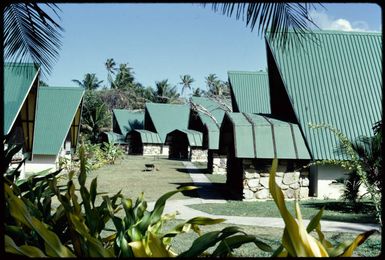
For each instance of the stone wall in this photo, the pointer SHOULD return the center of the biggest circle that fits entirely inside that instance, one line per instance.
(198, 155)
(219, 165)
(149, 149)
(256, 182)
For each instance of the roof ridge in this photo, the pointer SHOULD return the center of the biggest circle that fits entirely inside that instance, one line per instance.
(366, 33)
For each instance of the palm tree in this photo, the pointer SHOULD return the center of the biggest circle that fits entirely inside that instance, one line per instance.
(275, 18)
(164, 93)
(198, 92)
(90, 82)
(210, 80)
(125, 77)
(111, 68)
(186, 81)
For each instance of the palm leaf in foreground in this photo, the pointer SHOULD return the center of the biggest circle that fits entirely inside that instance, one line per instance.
(273, 19)
(30, 34)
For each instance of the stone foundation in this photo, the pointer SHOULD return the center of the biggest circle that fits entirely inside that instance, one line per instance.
(151, 149)
(219, 165)
(256, 182)
(198, 155)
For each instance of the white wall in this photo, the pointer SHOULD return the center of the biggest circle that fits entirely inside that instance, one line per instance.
(40, 163)
(165, 150)
(326, 186)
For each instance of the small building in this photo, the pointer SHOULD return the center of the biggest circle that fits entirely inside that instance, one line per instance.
(58, 114)
(251, 141)
(335, 78)
(144, 142)
(21, 81)
(186, 144)
(165, 118)
(206, 116)
(123, 122)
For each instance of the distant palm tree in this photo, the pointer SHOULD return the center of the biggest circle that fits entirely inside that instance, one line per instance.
(186, 81)
(90, 82)
(210, 80)
(164, 93)
(198, 92)
(275, 18)
(125, 77)
(111, 68)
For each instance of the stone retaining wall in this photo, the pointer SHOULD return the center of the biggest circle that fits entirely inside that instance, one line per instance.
(198, 155)
(149, 149)
(219, 165)
(256, 182)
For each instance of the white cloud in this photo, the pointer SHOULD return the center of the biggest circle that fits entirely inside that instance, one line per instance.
(324, 21)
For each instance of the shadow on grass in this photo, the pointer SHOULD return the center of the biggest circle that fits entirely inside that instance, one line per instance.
(212, 191)
(192, 170)
(362, 212)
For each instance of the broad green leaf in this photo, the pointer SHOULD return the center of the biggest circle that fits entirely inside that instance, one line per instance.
(156, 246)
(208, 240)
(30, 251)
(295, 239)
(315, 221)
(138, 249)
(95, 247)
(227, 245)
(161, 202)
(358, 241)
(93, 192)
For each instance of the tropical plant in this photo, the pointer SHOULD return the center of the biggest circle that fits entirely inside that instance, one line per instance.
(95, 116)
(112, 152)
(164, 93)
(357, 162)
(351, 190)
(186, 81)
(296, 239)
(111, 68)
(90, 82)
(275, 18)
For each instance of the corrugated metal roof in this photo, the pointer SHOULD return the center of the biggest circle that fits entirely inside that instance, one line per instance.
(18, 80)
(167, 117)
(217, 110)
(250, 91)
(56, 108)
(115, 138)
(148, 137)
(335, 80)
(128, 120)
(194, 137)
(261, 137)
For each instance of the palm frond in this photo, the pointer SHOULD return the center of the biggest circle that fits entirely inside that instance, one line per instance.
(31, 35)
(274, 20)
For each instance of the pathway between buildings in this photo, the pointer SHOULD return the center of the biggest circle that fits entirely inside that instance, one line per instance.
(185, 212)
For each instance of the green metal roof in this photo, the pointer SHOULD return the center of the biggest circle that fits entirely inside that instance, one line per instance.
(56, 108)
(18, 80)
(217, 110)
(167, 117)
(250, 91)
(261, 137)
(148, 137)
(335, 79)
(128, 120)
(115, 138)
(194, 137)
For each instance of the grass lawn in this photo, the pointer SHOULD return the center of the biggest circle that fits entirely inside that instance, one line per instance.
(334, 210)
(129, 176)
(272, 236)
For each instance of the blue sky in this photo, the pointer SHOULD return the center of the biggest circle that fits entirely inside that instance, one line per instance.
(164, 41)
